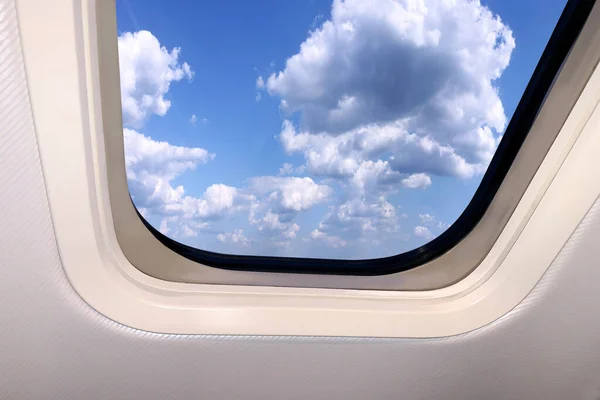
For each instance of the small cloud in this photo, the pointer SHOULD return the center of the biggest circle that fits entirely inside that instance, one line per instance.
(416, 181)
(289, 169)
(332, 241)
(286, 169)
(237, 237)
(426, 219)
(260, 86)
(423, 232)
(194, 120)
(260, 83)
(432, 221)
(164, 227)
(316, 22)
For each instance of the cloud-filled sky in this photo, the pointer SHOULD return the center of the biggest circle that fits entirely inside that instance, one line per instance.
(323, 128)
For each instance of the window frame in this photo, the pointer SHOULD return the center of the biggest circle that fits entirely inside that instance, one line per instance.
(455, 253)
(563, 38)
(60, 40)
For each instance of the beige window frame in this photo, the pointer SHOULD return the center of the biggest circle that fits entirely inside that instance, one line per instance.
(440, 272)
(124, 272)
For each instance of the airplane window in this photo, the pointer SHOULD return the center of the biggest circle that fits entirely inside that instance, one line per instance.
(322, 129)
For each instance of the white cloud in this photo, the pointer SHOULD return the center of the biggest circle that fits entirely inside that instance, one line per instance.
(317, 21)
(427, 219)
(178, 228)
(147, 70)
(374, 176)
(442, 225)
(289, 169)
(415, 181)
(341, 156)
(385, 60)
(194, 119)
(216, 200)
(152, 165)
(286, 169)
(271, 225)
(332, 241)
(396, 87)
(260, 83)
(188, 232)
(431, 221)
(164, 227)
(356, 217)
(151, 168)
(236, 237)
(423, 232)
(291, 194)
(278, 201)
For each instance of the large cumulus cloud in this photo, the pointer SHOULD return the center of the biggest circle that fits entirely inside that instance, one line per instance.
(147, 70)
(414, 79)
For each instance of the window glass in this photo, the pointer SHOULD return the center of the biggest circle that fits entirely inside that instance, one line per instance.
(346, 129)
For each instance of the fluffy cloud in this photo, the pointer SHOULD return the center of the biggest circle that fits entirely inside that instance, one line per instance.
(271, 225)
(426, 219)
(176, 227)
(357, 217)
(217, 200)
(390, 59)
(341, 156)
(278, 202)
(286, 169)
(290, 194)
(332, 241)
(415, 181)
(289, 169)
(410, 81)
(151, 168)
(147, 70)
(423, 232)
(260, 83)
(236, 237)
(152, 165)
(431, 221)
(371, 177)
(272, 202)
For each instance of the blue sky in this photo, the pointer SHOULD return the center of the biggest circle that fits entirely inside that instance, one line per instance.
(318, 128)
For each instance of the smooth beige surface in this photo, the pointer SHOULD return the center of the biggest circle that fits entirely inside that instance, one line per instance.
(54, 346)
(76, 177)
